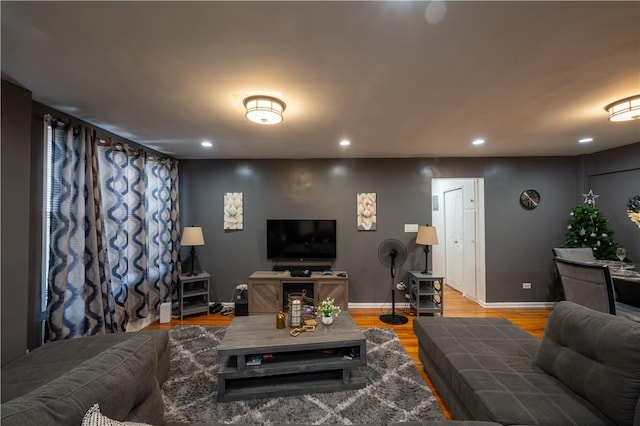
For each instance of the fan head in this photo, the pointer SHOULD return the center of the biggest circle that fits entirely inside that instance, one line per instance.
(392, 252)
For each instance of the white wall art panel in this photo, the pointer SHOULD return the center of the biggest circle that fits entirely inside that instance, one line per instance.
(366, 202)
(233, 218)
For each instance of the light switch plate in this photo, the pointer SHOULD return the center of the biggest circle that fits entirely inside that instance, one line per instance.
(410, 227)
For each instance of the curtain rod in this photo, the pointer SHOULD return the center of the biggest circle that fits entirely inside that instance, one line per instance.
(58, 122)
(108, 140)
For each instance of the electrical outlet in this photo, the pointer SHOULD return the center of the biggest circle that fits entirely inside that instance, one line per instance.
(526, 285)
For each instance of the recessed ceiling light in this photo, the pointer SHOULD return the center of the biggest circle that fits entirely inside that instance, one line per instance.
(478, 141)
(585, 140)
(206, 144)
(345, 142)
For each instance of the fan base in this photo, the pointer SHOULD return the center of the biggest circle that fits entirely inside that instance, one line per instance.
(393, 319)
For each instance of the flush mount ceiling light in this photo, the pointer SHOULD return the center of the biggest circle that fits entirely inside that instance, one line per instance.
(264, 109)
(625, 109)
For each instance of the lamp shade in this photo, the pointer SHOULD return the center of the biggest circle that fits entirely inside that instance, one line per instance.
(625, 109)
(192, 236)
(427, 236)
(264, 109)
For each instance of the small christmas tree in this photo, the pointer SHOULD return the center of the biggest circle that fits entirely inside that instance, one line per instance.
(587, 227)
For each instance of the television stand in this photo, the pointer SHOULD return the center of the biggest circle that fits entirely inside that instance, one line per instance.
(267, 289)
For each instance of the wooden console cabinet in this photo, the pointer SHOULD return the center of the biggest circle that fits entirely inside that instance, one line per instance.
(266, 289)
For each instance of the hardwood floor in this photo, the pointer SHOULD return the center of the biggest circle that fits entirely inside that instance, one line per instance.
(531, 320)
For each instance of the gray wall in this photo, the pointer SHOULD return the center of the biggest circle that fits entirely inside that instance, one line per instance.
(16, 125)
(615, 176)
(518, 243)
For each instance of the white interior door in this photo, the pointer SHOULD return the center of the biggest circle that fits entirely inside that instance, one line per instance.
(454, 233)
(460, 225)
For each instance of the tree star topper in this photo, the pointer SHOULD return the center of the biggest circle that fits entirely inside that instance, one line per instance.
(590, 198)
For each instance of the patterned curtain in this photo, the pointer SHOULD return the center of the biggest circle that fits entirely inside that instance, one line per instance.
(140, 221)
(78, 294)
(131, 247)
(163, 229)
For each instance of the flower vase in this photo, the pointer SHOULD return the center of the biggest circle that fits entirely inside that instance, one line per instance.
(327, 320)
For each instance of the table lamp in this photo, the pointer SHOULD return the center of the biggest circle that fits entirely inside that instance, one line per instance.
(427, 237)
(192, 236)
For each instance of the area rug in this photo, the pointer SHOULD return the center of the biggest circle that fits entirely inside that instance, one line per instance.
(394, 392)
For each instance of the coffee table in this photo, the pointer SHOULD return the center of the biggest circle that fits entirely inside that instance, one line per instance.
(312, 362)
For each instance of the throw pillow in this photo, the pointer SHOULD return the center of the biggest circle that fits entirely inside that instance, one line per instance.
(94, 417)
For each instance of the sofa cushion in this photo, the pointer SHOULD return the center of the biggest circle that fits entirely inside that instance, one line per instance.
(597, 355)
(489, 365)
(120, 378)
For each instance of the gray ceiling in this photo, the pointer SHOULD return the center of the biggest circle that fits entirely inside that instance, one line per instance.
(530, 77)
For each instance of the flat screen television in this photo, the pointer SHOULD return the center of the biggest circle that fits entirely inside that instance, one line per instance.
(301, 239)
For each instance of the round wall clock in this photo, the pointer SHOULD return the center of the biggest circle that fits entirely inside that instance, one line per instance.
(530, 199)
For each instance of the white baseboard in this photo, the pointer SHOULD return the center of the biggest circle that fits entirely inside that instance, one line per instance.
(498, 305)
(523, 305)
(378, 305)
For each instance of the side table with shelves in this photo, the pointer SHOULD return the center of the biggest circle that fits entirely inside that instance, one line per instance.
(194, 293)
(426, 292)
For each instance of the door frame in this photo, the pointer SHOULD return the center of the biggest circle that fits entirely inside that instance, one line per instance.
(473, 206)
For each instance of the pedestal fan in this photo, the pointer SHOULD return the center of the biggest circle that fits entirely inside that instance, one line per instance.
(392, 254)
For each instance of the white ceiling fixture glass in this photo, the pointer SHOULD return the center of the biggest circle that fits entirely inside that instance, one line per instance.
(264, 109)
(206, 144)
(625, 109)
(585, 140)
(478, 141)
(345, 142)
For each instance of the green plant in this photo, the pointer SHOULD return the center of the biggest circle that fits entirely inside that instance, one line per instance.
(587, 227)
(328, 308)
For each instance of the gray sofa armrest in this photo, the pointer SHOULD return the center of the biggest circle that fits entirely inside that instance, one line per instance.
(54, 359)
(597, 356)
(120, 378)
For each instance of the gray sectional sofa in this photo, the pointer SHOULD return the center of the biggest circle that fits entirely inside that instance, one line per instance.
(57, 383)
(585, 371)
